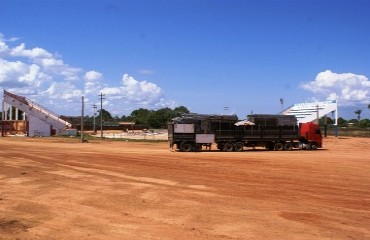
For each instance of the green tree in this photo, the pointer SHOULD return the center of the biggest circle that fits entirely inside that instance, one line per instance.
(160, 118)
(125, 118)
(140, 116)
(342, 122)
(364, 123)
(353, 122)
(178, 111)
(103, 114)
(328, 121)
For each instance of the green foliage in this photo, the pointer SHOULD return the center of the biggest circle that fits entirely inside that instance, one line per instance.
(180, 110)
(353, 121)
(104, 115)
(342, 122)
(140, 116)
(325, 121)
(157, 118)
(364, 123)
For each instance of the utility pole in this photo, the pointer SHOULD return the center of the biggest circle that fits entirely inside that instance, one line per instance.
(317, 113)
(94, 128)
(82, 120)
(101, 114)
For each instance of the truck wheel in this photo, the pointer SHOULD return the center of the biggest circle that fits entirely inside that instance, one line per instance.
(228, 147)
(288, 146)
(238, 147)
(279, 146)
(313, 146)
(186, 147)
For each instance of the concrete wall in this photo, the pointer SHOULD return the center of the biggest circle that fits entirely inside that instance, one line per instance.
(38, 128)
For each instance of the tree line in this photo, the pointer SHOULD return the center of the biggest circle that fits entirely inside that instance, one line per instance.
(355, 122)
(151, 118)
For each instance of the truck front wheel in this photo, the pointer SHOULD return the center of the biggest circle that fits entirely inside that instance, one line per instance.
(313, 146)
(186, 147)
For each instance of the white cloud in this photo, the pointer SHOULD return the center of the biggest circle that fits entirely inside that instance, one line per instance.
(138, 92)
(63, 91)
(4, 49)
(19, 74)
(21, 51)
(92, 82)
(55, 83)
(12, 39)
(349, 88)
(93, 76)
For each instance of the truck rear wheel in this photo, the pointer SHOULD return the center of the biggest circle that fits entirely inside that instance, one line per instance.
(228, 147)
(238, 147)
(186, 147)
(279, 146)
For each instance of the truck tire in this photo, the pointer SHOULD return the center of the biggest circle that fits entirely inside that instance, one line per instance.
(238, 147)
(186, 147)
(279, 146)
(288, 146)
(313, 146)
(228, 147)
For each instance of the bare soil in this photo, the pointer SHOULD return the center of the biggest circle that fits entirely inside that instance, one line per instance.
(54, 188)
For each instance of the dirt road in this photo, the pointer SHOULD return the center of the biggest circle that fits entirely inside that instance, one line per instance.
(63, 189)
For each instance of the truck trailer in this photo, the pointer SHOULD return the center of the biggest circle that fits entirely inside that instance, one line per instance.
(191, 132)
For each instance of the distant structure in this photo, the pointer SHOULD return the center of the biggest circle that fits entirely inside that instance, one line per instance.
(23, 117)
(311, 112)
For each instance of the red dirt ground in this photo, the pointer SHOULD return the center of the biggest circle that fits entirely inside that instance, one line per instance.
(53, 188)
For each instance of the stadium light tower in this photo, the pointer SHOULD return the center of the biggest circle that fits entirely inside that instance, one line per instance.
(282, 104)
(226, 109)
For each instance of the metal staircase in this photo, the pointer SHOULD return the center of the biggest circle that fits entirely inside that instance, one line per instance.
(37, 111)
(309, 112)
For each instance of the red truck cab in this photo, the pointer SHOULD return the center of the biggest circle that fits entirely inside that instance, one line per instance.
(311, 134)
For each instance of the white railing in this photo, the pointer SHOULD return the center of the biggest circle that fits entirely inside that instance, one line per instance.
(47, 113)
(36, 110)
(308, 112)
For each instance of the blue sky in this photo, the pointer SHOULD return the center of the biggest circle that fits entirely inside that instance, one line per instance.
(202, 54)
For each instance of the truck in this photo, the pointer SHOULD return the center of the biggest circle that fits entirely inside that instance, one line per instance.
(192, 132)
